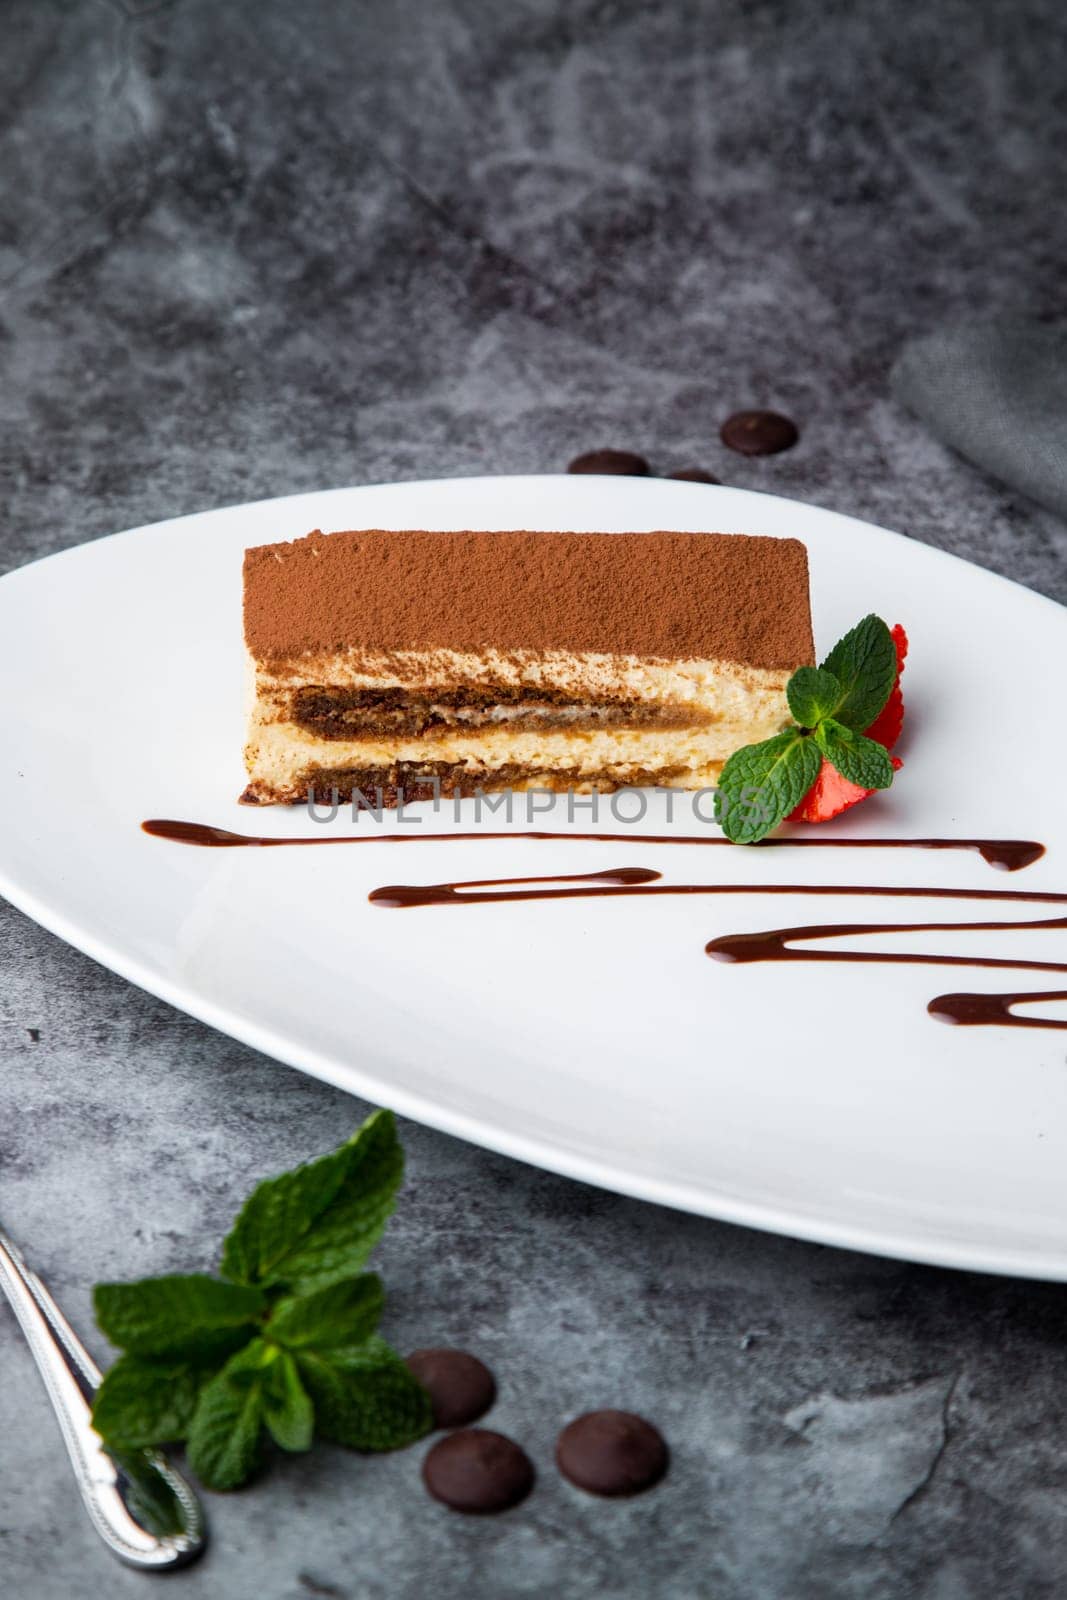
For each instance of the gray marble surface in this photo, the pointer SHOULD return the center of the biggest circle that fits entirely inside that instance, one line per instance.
(256, 248)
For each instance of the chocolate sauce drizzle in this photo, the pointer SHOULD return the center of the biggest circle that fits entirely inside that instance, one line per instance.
(586, 886)
(1008, 855)
(775, 944)
(476, 891)
(974, 1010)
(969, 1010)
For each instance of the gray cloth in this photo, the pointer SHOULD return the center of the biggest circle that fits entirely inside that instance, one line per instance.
(997, 393)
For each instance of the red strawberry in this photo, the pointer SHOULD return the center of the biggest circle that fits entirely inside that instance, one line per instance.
(831, 794)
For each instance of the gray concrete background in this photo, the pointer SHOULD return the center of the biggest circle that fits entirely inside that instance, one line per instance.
(257, 248)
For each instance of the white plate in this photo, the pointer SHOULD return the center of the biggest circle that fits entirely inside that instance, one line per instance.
(591, 1037)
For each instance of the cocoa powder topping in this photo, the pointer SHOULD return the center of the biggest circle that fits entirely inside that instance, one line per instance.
(670, 595)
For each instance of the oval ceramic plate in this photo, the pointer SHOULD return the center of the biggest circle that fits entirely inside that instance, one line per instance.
(592, 1037)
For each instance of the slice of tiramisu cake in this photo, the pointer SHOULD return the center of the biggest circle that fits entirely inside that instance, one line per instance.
(456, 662)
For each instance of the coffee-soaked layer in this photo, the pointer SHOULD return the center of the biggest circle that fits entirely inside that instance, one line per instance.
(404, 783)
(314, 699)
(1010, 855)
(394, 713)
(977, 1010)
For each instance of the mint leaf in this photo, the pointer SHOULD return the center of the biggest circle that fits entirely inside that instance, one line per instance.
(321, 1221)
(181, 1315)
(343, 1313)
(364, 1396)
(225, 1432)
(865, 664)
(287, 1407)
(762, 783)
(813, 693)
(862, 761)
(141, 1403)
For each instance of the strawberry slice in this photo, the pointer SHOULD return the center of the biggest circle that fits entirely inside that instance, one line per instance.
(831, 794)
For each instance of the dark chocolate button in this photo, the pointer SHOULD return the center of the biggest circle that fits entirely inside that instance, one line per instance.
(611, 1452)
(621, 463)
(461, 1388)
(758, 433)
(694, 475)
(478, 1471)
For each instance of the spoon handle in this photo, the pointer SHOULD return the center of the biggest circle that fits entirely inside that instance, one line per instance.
(144, 1511)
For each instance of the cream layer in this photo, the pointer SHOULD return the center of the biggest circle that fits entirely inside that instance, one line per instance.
(280, 751)
(732, 704)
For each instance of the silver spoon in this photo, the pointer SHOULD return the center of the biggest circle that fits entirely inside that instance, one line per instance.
(144, 1511)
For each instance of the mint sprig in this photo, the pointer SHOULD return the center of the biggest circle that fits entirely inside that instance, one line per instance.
(832, 705)
(285, 1343)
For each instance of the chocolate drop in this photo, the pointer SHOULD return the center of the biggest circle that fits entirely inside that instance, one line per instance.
(611, 1453)
(615, 463)
(758, 433)
(461, 1388)
(478, 1472)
